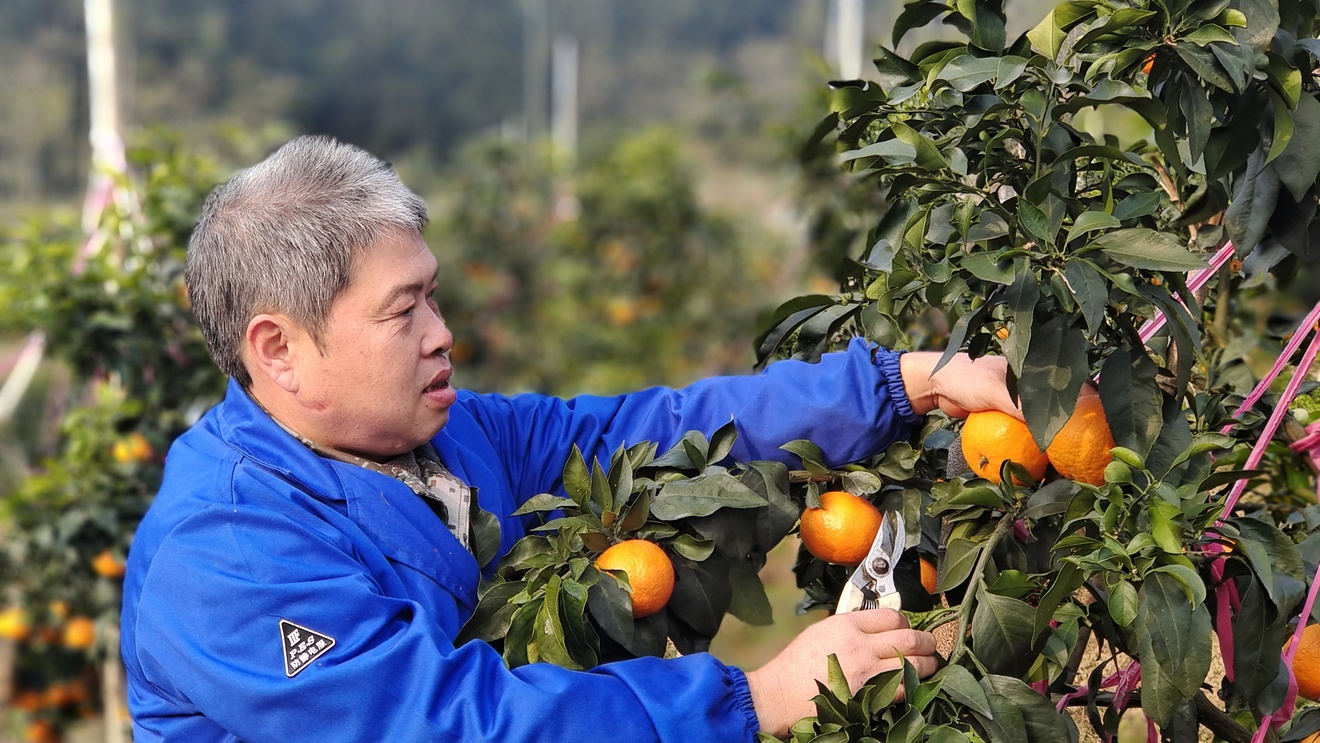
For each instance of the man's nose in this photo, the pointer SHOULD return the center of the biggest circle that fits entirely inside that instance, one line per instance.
(438, 338)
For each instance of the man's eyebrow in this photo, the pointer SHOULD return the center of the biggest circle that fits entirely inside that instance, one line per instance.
(401, 290)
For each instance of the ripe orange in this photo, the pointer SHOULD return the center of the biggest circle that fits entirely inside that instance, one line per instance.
(14, 624)
(989, 437)
(132, 448)
(1306, 663)
(1080, 450)
(930, 576)
(1148, 63)
(649, 571)
(842, 529)
(79, 633)
(41, 731)
(107, 565)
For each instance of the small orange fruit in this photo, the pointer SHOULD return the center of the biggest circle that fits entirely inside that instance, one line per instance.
(79, 633)
(1002, 333)
(1306, 663)
(841, 529)
(14, 624)
(107, 565)
(132, 448)
(989, 437)
(1148, 63)
(1080, 450)
(930, 576)
(58, 609)
(649, 571)
(41, 731)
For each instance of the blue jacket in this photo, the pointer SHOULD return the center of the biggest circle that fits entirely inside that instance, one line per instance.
(252, 534)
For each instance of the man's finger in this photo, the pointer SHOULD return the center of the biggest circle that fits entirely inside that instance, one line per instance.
(871, 621)
(908, 643)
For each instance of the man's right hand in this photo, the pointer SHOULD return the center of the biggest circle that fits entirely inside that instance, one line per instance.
(865, 642)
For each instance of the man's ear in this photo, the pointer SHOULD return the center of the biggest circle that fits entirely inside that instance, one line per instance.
(270, 346)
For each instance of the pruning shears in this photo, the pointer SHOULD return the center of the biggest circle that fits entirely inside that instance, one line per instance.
(871, 585)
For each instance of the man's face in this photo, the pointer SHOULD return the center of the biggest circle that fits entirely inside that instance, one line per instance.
(380, 384)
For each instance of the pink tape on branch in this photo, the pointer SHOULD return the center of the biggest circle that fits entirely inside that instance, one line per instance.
(1310, 446)
(1300, 333)
(1280, 410)
(1195, 280)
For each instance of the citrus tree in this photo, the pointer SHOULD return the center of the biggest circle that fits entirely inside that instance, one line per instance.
(1022, 221)
(115, 314)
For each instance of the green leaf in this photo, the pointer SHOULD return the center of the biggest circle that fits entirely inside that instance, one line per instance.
(722, 441)
(548, 634)
(577, 481)
(1274, 558)
(1300, 164)
(1190, 580)
(986, 267)
(928, 155)
(1089, 290)
(1002, 633)
(1052, 377)
(635, 513)
(1122, 603)
(748, 600)
(1092, 221)
(1255, 195)
(1205, 65)
(611, 606)
(966, 72)
(543, 502)
(805, 450)
(702, 496)
(1042, 722)
(490, 620)
(1210, 33)
(1144, 248)
(836, 680)
(1172, 634)
(1020, 300)
(960, 556)
(892, 151)
(959, 685)
(702, 593)
(1132, 399)
(1047, 37)
(691, 547)
(1035, 222)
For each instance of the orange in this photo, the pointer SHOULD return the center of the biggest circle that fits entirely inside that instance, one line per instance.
(989, 437)
(14, 624)
(1080, 450)
(132, 448)
(107, 565)
(1148, 63)
(79, 633)
(930, 576)
(41, 731)
(649, 571)
(1306, 663)
(842, 529)
(1003, 333)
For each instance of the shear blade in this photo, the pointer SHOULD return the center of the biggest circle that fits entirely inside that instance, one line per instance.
(872, 583)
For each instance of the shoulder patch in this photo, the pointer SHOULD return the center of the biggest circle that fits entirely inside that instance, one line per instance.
(301, 646)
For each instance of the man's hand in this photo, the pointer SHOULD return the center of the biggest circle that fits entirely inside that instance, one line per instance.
(960, 387)
(866, 643)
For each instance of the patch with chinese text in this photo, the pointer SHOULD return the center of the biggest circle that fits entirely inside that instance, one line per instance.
(301, 646)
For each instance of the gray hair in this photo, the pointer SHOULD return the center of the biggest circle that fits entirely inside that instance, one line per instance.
(282, 236)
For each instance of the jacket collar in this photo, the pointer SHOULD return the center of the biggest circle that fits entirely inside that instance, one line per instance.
(393, 517)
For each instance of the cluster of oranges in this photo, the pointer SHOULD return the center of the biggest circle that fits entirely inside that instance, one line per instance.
(1079, 451)
(73, 632)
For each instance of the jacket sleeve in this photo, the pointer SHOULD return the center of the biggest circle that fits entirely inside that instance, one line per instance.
(209, 636)
(852, 404)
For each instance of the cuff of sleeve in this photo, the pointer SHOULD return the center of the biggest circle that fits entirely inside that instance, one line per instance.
(887, 362)
(742, 697)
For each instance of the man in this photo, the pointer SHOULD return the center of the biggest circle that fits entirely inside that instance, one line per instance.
(309, 560)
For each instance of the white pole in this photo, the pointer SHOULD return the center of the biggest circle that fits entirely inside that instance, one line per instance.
(849, 23)
(103, 103)
(564, 96)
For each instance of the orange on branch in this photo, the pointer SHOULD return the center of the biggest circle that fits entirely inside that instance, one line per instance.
(649, 570)
(989, 437)
(41, 731)
(107, 565)
(930, 576)
(1080, 450)
(14, 624)
(841, 529)
(132, 448)
(79, 633)
(1306, 663)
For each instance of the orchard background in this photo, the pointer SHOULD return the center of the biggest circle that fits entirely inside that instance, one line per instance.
(1028, 180)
